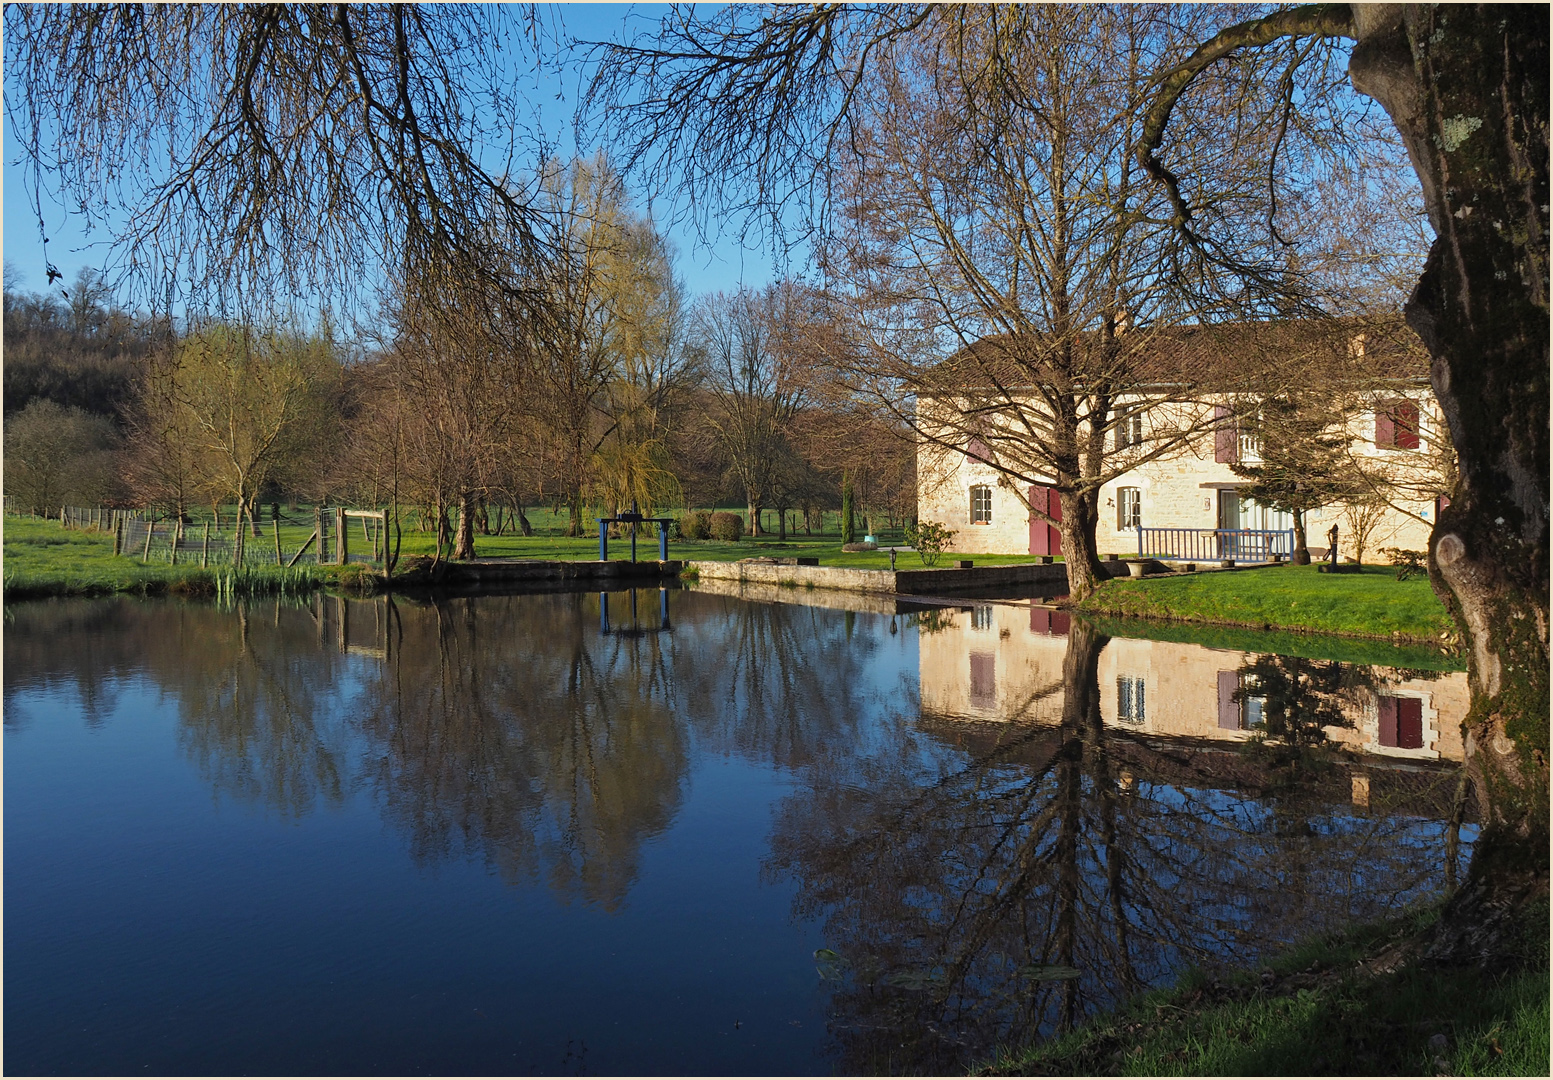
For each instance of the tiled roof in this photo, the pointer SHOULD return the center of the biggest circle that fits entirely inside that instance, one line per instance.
(1218, 357)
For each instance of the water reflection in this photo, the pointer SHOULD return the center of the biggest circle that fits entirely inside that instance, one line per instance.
(1016, 824)
(1075, 857)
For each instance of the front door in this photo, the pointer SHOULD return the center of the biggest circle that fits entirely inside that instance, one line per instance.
(1229, 518)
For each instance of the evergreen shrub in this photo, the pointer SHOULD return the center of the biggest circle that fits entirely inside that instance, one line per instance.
(726, 526)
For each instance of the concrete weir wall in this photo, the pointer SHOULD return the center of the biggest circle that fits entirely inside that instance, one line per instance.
(946, 582)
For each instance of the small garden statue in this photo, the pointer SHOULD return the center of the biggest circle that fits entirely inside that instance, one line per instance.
(1332, 546)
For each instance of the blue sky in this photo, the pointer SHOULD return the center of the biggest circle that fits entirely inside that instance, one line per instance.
(715, 262)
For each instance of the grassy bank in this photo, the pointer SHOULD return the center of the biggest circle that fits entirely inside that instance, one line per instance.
(1369, 603)
(42, 559)
(1328, 1007)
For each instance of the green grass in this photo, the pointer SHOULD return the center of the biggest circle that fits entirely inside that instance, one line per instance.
(1311, 646)
(1321, 1013)
(41, 559)
(1371, 603)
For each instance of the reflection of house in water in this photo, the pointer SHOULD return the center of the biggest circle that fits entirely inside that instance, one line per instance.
(1004, 661)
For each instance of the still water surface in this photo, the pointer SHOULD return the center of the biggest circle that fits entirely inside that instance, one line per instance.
(692, 834)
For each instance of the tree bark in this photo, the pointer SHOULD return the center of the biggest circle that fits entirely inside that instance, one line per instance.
(1467, 86)
(464, 545)
(1080, 516)
(1301, 556)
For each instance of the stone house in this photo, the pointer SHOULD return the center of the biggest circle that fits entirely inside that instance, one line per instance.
(1184, 445)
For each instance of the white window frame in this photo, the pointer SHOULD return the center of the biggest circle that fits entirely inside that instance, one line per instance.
(984, 493)
(1126, 520)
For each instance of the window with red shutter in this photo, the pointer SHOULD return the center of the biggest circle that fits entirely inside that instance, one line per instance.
(1385, 429)
(1405, 425)
(1226, 439)
(1410, 723)
(1387, 708)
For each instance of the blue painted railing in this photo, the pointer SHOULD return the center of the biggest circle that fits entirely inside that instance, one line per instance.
(1211, 545)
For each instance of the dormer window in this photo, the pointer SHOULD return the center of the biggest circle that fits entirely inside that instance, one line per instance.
(1129, 431)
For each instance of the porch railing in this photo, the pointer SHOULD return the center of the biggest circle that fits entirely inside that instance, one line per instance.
(1205, 545)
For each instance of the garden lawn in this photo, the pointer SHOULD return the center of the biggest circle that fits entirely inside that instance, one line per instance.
(1369, 603)
(1319, 1011)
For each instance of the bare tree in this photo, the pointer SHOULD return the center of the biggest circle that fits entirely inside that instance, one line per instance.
(247, 152)
(1467, 88)
(761, 369)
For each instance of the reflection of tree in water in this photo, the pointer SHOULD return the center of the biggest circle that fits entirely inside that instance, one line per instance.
(1298, 699)
(779, 683)
(508, 726)
(960, 906)
(260, 726)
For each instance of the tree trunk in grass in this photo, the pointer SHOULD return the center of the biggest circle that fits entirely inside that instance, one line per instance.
(1468, 89)
(464, 544)
(1301, 556)
(1080, 516)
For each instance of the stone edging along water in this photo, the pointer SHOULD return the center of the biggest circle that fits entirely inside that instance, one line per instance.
(947, 581)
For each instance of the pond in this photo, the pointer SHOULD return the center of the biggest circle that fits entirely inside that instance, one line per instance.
(668, 831)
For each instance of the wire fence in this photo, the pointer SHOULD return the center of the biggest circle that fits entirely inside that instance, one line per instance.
(332, 535)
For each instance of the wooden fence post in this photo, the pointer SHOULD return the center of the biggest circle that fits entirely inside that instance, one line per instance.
(276, 524)
(342, 543)
(237, 538)
(145, 556)
(205, 548)
(118, 535)
(318, 530)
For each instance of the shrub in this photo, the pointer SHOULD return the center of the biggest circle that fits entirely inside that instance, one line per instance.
(929, 538)
(726, 526)
(696, 525)
(1407, 562)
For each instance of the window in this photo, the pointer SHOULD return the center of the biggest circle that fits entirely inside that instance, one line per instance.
(981, 617)
(1129, 699)
(1401, 722)
(1396, 426)
(1129, 431)
(981, 505)
(1253, 706)
(1250, 711)
(1129, 508)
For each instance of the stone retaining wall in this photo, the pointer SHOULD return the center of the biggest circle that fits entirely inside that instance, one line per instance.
(945, 582)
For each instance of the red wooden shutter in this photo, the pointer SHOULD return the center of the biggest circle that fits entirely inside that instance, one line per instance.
(1229, 708)
(1405, 425)
(1045, 539)
(1410, 723)
(1061, 623)
(1040, 619)
(977, 451)
(1385, 428)
(1226, 440)
(1387, 707)
(1038, 527)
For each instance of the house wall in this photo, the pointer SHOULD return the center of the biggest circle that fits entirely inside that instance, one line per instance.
(1178, 491)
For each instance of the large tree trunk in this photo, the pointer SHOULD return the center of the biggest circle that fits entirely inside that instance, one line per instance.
(1079, 518)
(464, 545)
(1468, 89)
